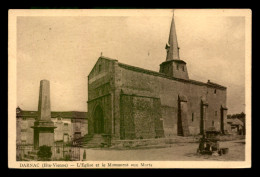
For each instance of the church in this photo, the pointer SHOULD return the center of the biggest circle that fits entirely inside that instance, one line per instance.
(128, 102)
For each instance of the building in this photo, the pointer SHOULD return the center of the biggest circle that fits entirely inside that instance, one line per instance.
(236, 126)
(69, 125)
(129, 102)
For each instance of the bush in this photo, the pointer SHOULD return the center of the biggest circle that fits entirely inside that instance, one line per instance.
(44, 153)
(67, 157)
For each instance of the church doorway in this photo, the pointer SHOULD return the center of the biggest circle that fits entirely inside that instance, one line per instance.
(98, 120)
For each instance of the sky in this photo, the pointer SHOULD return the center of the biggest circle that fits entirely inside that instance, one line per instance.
(64, 49)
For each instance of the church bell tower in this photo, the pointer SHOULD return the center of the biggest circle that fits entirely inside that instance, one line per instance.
(174, 66)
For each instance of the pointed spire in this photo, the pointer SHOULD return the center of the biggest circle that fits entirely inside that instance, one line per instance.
(172, 45)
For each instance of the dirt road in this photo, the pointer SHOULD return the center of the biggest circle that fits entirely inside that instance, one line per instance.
(176, 152)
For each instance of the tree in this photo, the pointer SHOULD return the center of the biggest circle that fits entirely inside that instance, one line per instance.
(44, 153)
(84, 154)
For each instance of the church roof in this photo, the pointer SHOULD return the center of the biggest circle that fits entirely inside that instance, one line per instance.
(213, 84)
(137, 69)
(172, 45)
(177, 61)
(107, 58)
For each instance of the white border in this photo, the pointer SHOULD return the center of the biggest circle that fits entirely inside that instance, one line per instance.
(13, 14)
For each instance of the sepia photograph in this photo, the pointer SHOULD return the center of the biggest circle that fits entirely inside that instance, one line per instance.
(139, 88)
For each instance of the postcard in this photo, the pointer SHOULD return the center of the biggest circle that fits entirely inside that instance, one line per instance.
(129, 88)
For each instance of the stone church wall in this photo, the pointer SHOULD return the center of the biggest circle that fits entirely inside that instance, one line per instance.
(143, 84)
(140, 117)
(106, 85)
(105, 104)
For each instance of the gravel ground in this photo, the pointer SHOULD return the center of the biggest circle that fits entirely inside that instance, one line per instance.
(174, 152)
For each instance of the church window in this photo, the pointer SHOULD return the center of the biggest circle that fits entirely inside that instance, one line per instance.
(215, 91)
(183, 68)
(99, 68)
(213, 123)
(65, 126)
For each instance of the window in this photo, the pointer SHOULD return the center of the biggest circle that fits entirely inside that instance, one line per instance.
(77, 126)
(23, 137)
(215, 91)
(65, 138)
(177, 67)
(65, 126)
(213, 123)
(182, 68)
(99, 68)
(192, 117)
(24, 125)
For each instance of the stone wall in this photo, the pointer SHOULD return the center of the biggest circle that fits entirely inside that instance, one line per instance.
(139, 82)
(127, 122)
(140, 117)
(105, 103)
(106, 85)
(100, 81)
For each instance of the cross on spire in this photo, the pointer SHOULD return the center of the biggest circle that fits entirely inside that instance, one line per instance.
(172, 45)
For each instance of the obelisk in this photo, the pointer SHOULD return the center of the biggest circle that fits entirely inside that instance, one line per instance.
(43, 126)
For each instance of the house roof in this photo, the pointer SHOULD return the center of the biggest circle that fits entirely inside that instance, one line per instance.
(70, 114)
(235, 122)
(54, 114)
